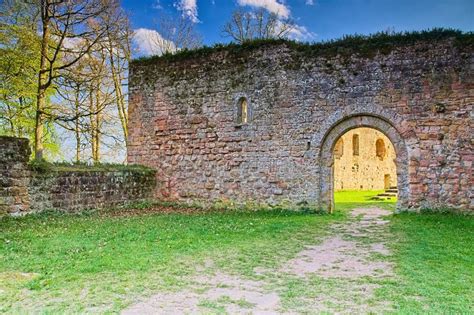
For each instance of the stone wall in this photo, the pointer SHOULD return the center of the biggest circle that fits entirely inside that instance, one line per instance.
(184, 120)
(79, 190)
(67, 188)
(14, 175)
(370, 168)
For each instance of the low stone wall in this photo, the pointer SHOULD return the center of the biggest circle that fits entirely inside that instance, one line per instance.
(24, 189)
(78, 190)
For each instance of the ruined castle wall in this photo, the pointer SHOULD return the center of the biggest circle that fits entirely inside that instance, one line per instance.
(24, 189)
(183, 121)
(366, 169)
(78, 190)
(14, 175)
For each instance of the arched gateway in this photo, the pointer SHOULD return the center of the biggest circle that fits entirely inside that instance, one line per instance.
(368, 115)
(326, 159)
(260, 124)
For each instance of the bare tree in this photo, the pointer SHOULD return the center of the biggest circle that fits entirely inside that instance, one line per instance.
(86, 92)
(74, 96)
(92, 90)
(118, 47)
(257, 24)
(175, 33)
(69, 30)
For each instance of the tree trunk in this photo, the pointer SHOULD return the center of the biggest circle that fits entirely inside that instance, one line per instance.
(42, 75)
(121, 108)
(95, 123)
(76, 129)
(97, 126)
(92, 121)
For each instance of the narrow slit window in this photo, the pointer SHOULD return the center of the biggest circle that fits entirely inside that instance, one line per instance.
(339, 149)
(380, 149)
(243, 111)
(355, 145)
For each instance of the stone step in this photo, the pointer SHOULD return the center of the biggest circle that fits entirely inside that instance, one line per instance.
(386, 195)
(381, 198)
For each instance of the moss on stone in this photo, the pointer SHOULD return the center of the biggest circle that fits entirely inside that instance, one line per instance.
(362, 45)
(43, 166)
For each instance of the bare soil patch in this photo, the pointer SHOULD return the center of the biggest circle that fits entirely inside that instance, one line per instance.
(347, 255)
(231, 293)
(337, 257)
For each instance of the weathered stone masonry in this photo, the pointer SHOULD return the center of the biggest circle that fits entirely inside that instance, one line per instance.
(14, 175)
(364, 170)
(24, 190)
(420, 95)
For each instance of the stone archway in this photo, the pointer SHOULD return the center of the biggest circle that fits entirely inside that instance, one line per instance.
(338, 126)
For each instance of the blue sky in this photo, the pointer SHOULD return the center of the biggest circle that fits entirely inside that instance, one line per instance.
(318, 19)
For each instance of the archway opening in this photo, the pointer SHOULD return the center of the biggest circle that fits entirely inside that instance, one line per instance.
(364, 166)
(398, 135)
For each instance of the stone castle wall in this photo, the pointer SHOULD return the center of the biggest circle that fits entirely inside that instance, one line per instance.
(24, 190)
(370, 168)
(183, 120)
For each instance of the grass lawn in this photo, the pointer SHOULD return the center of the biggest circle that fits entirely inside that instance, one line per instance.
(75, 263)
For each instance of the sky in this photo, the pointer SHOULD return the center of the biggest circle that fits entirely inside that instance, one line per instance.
(317, 20)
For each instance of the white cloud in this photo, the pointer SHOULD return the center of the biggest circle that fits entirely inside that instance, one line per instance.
(301, 33)
(150, 42)
(278, 7)
(188, 9)
(274, 6)
(73, 43)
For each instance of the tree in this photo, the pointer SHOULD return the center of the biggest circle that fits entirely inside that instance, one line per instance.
(175, 33)
(79, 52)
(19, 46)
(73, 91)
(86, 91)
(257, 24)
(69, 30)
(118, 47)
(92, 90)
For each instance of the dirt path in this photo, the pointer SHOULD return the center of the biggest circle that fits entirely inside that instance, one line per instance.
(352, 253)
(342, 255)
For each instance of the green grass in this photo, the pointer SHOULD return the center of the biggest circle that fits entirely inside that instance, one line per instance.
(75, 263)
(110, 261)
(435, 261)
(347, 199)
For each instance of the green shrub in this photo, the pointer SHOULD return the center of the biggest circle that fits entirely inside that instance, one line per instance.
(41, 166)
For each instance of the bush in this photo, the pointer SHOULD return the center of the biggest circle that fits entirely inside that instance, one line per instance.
(41, 166)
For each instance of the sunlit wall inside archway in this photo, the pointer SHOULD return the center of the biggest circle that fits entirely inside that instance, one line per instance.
(364, 160)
